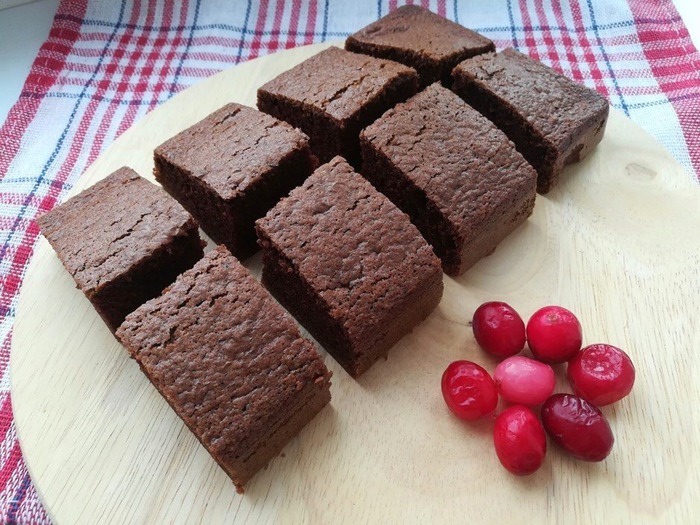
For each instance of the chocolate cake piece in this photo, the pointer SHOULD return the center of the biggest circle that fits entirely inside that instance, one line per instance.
(553, 120)
(459, 178)
(230, 168)
(122, 240)
(348, 265)
(333, 95)
(230, 362)
(419, 38)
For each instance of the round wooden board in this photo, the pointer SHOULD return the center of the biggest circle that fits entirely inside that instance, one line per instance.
(617, 242)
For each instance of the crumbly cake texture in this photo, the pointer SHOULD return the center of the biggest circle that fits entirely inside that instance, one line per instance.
(231, 363)
(552, 120)
(122, 240)
(457, 176)
(230, 168)
(420, 39)
(348, 265)
(333, 95)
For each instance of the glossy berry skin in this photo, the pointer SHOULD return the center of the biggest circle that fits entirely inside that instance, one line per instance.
(578, 427)
(469, 391)
(525, 381)
(554, 334)
(601, 374)
(498, 329)
(519, 440)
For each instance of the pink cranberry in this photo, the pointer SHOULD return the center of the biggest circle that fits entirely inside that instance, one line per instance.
(469, 391)
(523, 380)
(498, 329)
(519, 440)
(578, 427)
(601, 373)
(554, 334)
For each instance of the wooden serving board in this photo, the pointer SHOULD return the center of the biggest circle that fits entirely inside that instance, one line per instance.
(617, 242)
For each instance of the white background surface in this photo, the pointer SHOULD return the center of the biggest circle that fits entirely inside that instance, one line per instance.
(24, 28)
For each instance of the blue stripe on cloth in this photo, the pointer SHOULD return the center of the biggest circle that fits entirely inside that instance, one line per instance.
(254, 32)
(243, 31)
(661, 102)
(324, 34)
(606, 58)
(28, 94)
(44, 171)
(512, 24)
(183, 56)
(62, 186)
(14, 504)
(538, 27)
(98, 98)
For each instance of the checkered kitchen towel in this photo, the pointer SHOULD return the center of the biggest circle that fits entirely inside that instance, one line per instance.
(106, 63)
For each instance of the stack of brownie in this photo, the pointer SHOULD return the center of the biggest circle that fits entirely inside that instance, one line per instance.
(416, 179)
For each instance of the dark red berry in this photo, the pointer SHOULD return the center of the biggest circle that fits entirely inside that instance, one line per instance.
(519, 440)
(469, 391)
(601, 373)
(578, 427)
(554, 334)
(498, 329)
(522, 380)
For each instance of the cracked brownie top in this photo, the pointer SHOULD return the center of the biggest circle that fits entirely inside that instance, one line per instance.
(547, 101)
(357, 250)
(413, 29)
(460, 160)
(337, 82)
(224, 354)
(112, 226)
(231, 149)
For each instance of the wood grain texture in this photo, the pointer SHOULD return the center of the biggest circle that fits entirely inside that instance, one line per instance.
(617, 242)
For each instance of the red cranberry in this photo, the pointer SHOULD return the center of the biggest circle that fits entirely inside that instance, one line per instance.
(468, 390)
(578, 427)
(519, 440)
(498, 329)
(522, 380)
(554, 334)
(601, 374)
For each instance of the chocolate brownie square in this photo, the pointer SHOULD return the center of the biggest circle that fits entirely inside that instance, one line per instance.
(348, 265)
(230, 168)
(230, 362)
(123, 240)
(427, 42)
(458, 176)
(553, 120)
(333, 95)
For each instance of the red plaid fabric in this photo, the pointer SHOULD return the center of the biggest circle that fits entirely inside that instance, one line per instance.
(107, 63)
